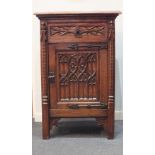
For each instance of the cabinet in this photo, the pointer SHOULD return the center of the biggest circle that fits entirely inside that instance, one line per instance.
(77, 68)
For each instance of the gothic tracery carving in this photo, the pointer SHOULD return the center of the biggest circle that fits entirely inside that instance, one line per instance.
(78, 68)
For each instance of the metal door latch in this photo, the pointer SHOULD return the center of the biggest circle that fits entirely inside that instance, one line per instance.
(51, 77)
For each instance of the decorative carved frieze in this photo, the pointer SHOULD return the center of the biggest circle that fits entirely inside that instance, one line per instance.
(77, 30)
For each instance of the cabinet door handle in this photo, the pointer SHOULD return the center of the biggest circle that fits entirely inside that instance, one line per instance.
(51, 77)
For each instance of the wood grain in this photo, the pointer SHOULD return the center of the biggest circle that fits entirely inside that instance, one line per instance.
(82, 71)
(44, 80)
(78, 113)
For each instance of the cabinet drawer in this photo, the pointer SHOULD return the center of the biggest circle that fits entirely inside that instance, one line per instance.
(77, 32)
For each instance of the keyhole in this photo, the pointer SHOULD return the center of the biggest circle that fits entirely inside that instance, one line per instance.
(77, 32)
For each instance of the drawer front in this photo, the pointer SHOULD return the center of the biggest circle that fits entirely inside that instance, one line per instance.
(77, 32)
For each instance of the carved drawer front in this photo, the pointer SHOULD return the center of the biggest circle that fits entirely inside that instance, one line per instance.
(77, 32)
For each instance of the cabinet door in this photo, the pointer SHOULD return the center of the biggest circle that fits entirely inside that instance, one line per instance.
(77, 74)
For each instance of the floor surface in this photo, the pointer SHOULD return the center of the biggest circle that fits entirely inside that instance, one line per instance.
(77, 137)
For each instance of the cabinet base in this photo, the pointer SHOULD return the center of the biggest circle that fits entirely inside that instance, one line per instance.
(101, 122)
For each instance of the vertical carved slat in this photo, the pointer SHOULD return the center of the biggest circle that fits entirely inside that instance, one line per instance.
(60, 88)
(98, 68)
(111, 75)
(89, 87)
(64, 87)
(44, 80)
(78, 87)
(88, 90)
(92, 83)
(76, 90)
(69, 91)
(93, 86)
(80, 90)
(65, 83)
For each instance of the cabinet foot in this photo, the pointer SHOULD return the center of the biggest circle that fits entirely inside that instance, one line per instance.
(46, 133)
(110, 128)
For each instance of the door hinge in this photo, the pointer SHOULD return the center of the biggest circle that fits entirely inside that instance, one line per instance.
(98, 106)
(75, 46)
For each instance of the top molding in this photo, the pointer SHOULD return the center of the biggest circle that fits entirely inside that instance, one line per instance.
(75, 15)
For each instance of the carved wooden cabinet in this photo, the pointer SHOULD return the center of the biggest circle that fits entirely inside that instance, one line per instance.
(78, 68)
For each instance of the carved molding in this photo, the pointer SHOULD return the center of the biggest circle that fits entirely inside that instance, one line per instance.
(111, 65)
(77, 30)
(43, 26)
(111, 30)
(45, 99)
(110, 102)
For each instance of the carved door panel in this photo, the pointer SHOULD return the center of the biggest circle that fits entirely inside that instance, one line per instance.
(76, 74)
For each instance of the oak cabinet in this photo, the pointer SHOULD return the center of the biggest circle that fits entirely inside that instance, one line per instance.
(78, 68)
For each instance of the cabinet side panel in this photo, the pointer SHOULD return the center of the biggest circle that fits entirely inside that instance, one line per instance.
(44, 81)
(111, 79)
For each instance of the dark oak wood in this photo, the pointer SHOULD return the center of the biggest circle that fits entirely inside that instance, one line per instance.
(78, 68)
(78, 113)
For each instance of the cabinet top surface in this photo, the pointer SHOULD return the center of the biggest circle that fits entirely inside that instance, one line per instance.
(73, 13)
